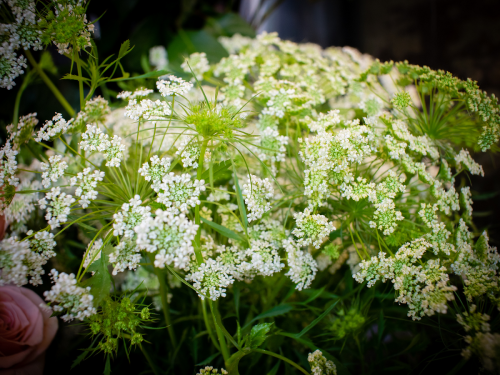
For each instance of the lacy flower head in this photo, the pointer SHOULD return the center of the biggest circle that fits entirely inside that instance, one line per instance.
(311, 229)
(211, 279)
(179, 192)
(257, 194)
(169, 236)
(58, 205)
(130, 215)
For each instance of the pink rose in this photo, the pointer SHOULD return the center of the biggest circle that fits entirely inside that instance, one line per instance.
(26, 331)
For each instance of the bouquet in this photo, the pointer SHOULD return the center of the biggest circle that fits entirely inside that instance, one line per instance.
(268, 205)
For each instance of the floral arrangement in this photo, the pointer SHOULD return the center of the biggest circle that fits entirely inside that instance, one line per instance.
(238, 191)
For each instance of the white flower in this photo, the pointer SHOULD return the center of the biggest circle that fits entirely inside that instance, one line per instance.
(464, 157)
(179, 192)
(53, 170)
(8, 165)
(386, 217)
(131, 215)
(95, 140)
(19, 211)
(320, 365)
(87, 182)
(311, 229)
(272, 145)
(57, 204)
(302, 265)
(279, 102)
(170, 236)
(174, 86)
(262, 258)
(126, 255)
(155, 173)
(211, 279)
(219, 195)
(93, 252)
(24, 130)
(68, 297)
(136, 94)
(324, 121)
(158, 57)
(57, 126)
(148, 110)
(257, 193)
(196, 64)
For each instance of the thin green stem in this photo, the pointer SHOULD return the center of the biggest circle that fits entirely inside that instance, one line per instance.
(289, 361)
(148, 358)
(80, 82)
(164, 302)
(49, 84)
(207, 324)
(197, 249)
(220, 334)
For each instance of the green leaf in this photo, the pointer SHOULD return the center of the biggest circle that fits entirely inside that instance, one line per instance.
(107, 368)
(275, 311)
(259, 334)
(218, 169)
(223, 230)
(79, 359)
(124, 49)
(100, 282)
(155, 74)
(275, 369)
(316, 321)
(75, 77)
(208, 360)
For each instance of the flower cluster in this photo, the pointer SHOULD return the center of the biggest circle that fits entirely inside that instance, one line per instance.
(130, 215)
(53, 170)
(66, 296)
(174, 86)
(211, 279)
(179, 192)
(87, 183)
(320, 365)
(155, 173)
(258, 192)
(53, 128)
(311, 229)
(58, 206)
(95, 140)
(302, 265)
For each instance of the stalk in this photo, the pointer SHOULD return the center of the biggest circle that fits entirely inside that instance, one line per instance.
(50, 85)
(289, 361)
(197, 249)
(164, 302)
(80, 82)
(220, 335)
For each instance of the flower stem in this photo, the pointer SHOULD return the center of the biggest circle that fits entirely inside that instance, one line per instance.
(164, 301)
(197, 249)
(80, 82)
(207, 324)
(220, 335)
(148, 358)
(289, 361)
(50, 85)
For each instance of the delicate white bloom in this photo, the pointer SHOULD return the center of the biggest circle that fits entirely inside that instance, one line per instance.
(170, 236)
(235, 43)
(58, 206)
(96, 110)
(211, 279)
(464, 157)
(279, 102)
(179, 192)
(126, 255)
(19, 211)
(12, 66)
(324, 121)
(218, 195)
(158, 57)
(372, 105)
(52, 128)
(8, 165)
(258, 193)
(93, 252)
(53, 170)
(386, 217)
(95, 140)
(262, 258)
(87, 183)
(311, 229)
(272, 145)
(209, 370)
(136, 94)
(174, 86)
(24, 130)
(231, 257)
(302, 266)
(320, 365)
(148, 110)
(22, 259)
(66, 296)
(466, 200)
(155, 173)
(189, 150)
(196, 64)
(131, 215)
